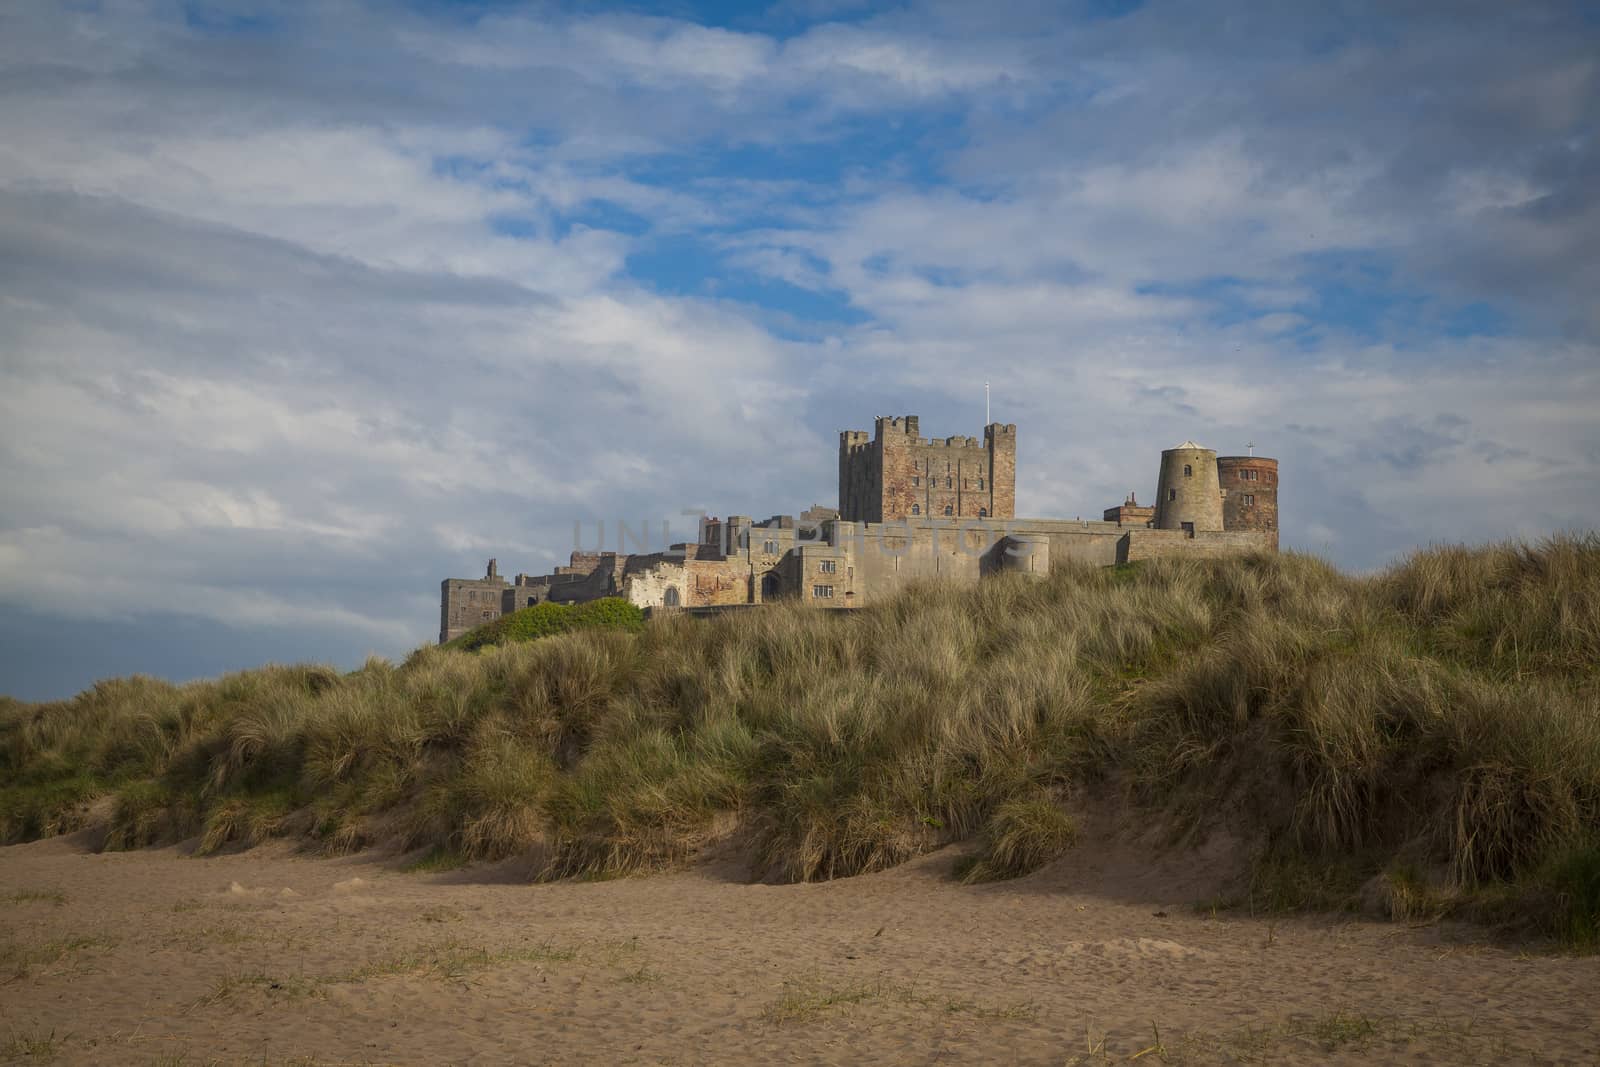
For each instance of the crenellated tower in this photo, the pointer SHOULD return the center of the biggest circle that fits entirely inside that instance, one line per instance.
(898, 474)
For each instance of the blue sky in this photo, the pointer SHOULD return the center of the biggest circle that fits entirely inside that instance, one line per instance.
(305, 307)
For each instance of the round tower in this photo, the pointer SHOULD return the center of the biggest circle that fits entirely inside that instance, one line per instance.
(1026, 554)
(1188, 496)
(1249, 494)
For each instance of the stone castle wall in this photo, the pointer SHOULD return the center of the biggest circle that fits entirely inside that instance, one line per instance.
(891, 528)
(1175, 544)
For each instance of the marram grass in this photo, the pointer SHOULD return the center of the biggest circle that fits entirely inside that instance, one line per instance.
(1440, 717)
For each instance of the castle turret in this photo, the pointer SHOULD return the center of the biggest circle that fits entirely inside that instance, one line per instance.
(1249, 494)
(1026, 554)
(1188, 494)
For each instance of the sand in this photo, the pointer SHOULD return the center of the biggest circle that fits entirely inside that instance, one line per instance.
(268, 956)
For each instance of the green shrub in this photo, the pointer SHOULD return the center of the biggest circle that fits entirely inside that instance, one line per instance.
(549, 618)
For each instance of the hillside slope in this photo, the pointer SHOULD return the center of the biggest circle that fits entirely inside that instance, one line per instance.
(1431, 733)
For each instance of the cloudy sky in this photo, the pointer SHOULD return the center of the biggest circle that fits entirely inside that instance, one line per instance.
(304, 307)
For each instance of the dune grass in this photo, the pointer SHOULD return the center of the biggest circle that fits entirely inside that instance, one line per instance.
(1439, 721)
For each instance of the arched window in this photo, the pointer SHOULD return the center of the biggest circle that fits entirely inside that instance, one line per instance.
(916, 509)
(948, 510)
(983, 513)
(671, 599)
(1188, 471)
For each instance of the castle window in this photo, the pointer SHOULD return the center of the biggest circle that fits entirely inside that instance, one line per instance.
(770, 548)
(916, 509)
(1172, 494)
(915, 481)
(980, 483)
(828, 566)
(1188, 471)
(671, 598)
(1249, 500)
(948, 510)
(949, 483)
(822, 592)
(983, 513)
(531, 601)
(488, 614)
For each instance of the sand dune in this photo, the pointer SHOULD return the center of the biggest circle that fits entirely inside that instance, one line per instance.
(269, 956)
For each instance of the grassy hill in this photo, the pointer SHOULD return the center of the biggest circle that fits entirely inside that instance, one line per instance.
(1428, 737)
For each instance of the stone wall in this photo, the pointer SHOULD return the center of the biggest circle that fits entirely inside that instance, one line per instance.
(661, 580)
(525, 592)
(1155, 544)
(717, 583)
(1130, 515)
(881, 557)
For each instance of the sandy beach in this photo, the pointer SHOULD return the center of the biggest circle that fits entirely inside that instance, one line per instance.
(269, 956)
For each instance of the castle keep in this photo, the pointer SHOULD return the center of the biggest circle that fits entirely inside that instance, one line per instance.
(898, 475)
(909, 507)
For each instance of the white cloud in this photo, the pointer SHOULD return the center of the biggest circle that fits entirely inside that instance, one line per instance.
(293, 320)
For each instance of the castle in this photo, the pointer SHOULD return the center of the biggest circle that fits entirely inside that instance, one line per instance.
(909, 507)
